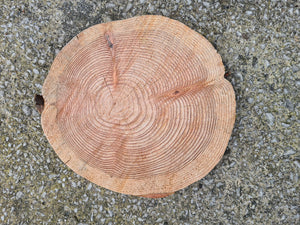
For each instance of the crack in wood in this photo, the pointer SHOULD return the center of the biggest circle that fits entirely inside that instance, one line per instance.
(110, 43)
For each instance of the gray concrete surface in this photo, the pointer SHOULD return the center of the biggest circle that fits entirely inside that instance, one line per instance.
(256, 182)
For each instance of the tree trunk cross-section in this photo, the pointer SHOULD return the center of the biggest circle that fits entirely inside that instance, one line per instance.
(139, 106)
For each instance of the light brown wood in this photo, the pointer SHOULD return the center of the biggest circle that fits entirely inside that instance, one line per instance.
(139, 106)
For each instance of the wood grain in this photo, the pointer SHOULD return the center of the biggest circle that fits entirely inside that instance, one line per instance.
(139, 106)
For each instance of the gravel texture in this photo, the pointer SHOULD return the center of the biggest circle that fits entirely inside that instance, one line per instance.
(256, 182)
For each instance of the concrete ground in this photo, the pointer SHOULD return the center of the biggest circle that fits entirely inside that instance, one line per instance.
(256, 182)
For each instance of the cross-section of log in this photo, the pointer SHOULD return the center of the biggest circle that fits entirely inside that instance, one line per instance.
(139, 106)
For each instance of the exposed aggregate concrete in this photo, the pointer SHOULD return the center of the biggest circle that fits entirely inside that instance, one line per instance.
(256, 182)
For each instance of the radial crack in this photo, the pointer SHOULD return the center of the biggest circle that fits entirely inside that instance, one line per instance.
(110, 43)
(180, 91)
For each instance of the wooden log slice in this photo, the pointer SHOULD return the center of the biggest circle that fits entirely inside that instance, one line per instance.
(139, 106)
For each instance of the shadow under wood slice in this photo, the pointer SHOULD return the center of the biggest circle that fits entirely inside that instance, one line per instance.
(39, 103)
(157, 195)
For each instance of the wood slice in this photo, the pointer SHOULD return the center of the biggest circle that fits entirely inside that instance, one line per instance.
(139, 106)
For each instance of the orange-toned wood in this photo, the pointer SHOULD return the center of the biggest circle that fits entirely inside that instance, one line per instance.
(139, 106)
